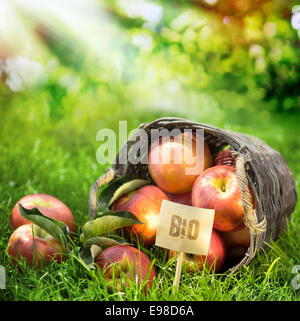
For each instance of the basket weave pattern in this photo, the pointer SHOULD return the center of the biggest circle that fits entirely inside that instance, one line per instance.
(257, 164)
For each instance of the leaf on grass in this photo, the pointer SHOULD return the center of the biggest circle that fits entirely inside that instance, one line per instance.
(108, 222)
(57, 229)
(93, 246)
(118, 187)
(87, 257)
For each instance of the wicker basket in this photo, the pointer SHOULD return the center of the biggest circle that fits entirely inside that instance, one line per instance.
(257, 164)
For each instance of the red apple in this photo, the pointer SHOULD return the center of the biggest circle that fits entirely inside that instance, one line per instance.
(170, 162)
(237, 238)
(218, 188)
(214, 259)
(224, 158)
(35, 245)
(145, 204)
(183, 198)
(126, 260)
(48, 205)
(236, 242)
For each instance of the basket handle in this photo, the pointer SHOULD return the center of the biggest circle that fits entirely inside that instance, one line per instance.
(250, 218)
(104, 179)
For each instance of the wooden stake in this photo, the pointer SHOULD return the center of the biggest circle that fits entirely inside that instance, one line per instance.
(178, 272)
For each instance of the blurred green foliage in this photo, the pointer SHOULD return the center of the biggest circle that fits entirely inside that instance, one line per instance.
(201, 59)
(241, 47)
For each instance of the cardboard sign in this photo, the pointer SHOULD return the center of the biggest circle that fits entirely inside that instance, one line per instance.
(184, 228)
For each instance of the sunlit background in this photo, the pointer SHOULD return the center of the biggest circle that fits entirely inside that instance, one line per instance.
(94, 62)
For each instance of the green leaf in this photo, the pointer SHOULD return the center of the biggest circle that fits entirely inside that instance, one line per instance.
(93, 246)
(107, 222)
(118, 187)
(117, 238)
(57, 229)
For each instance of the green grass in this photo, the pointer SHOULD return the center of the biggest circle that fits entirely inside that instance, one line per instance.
(58, 158)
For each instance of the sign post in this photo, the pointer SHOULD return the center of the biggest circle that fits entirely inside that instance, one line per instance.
(185, 229)
(178, 271)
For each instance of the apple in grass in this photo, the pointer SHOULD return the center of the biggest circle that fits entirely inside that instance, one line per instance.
(121, 262)
(214, 259)
(35, 245)
(218, 188)
(175, 163)
(48, 205)
(145, 204)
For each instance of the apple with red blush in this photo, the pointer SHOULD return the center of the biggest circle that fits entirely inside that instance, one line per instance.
(182, 198)
(35, 245)
(145, 204)
(48, 205)
(123, 262)
(239, 237)
(214, 259)
(224, 158)
(218, 188)
(174, 175)
(237, 242)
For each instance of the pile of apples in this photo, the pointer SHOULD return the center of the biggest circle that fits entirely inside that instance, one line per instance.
(215, 186)
(29, 240)
(38, 247)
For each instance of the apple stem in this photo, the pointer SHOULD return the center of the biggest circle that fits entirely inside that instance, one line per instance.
(178, 272)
